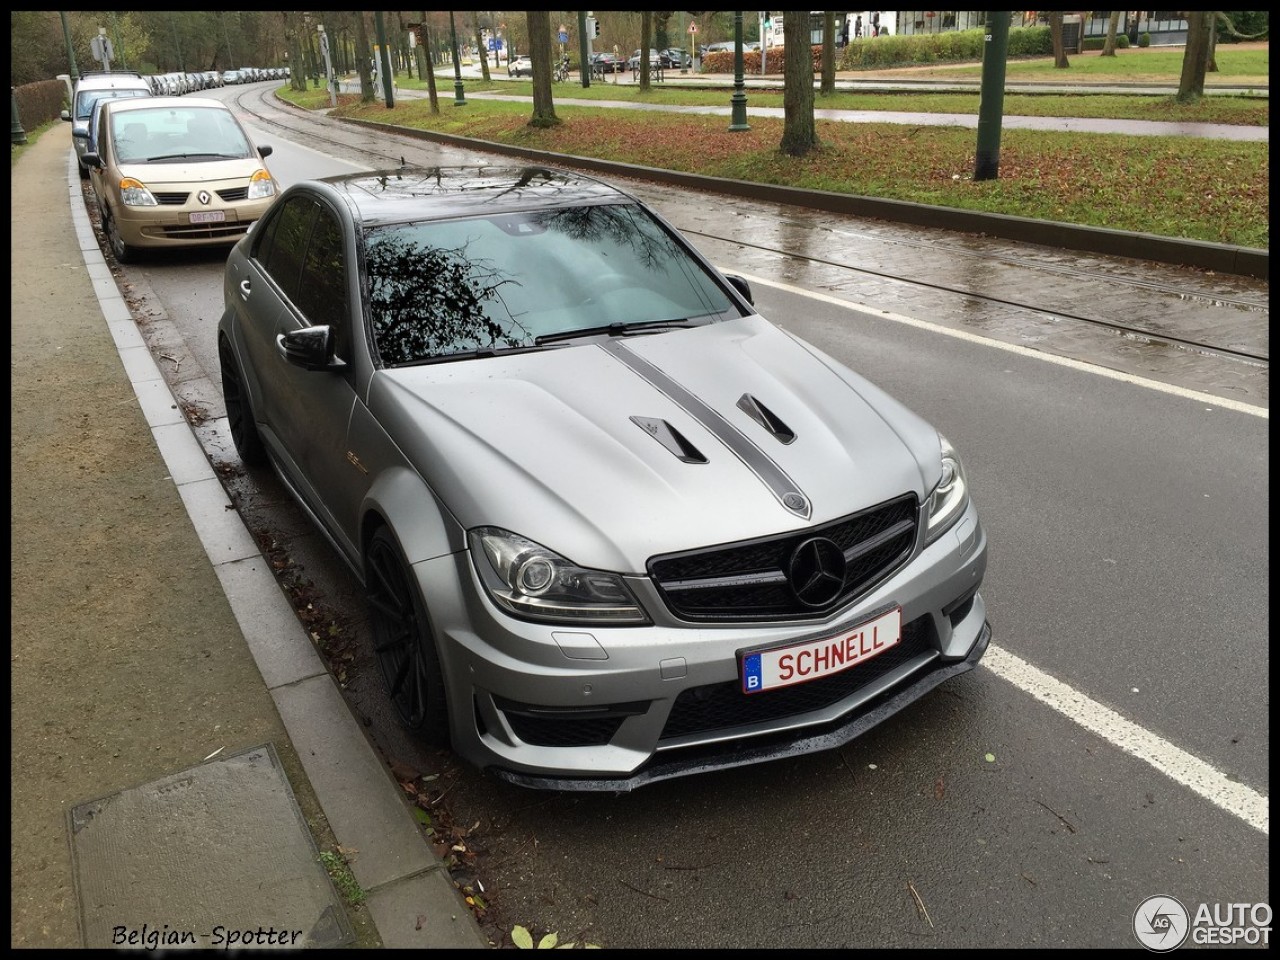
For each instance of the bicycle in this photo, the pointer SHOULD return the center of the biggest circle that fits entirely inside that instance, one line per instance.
(562, 72)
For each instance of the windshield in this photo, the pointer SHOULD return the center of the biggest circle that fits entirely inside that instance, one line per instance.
(87, 98)
(489, 283)
(178, 133)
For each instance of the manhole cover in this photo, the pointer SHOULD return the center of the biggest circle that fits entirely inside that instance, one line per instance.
(216, 856)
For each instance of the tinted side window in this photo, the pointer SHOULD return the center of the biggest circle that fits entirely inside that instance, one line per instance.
(264, 236)
(284, 262)
(322, 297)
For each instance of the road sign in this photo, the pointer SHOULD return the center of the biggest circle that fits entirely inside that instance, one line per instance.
(564, 36)
(693, 28)
(100, 47)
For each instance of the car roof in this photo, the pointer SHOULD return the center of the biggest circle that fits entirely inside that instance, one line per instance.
(111, 81)
(156, 103)
(412, 194)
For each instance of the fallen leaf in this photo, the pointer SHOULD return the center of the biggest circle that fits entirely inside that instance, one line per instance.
(521, 937)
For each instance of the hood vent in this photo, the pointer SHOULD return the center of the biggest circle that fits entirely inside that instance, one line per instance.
(762, 415)
(671, 438)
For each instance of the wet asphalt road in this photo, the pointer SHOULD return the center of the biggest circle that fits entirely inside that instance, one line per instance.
(1128, 550)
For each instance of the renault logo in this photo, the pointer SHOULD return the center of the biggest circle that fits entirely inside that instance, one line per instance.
(205, 197)
(816, 572)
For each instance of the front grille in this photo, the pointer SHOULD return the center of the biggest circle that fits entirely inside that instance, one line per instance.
(171, 199)
(206, 231)
(721, 706)
(749, 580)
(234, 193)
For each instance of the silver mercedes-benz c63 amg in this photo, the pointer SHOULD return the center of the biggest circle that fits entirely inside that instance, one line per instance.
(614, 526)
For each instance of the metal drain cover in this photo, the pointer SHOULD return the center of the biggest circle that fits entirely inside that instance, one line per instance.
(216, 856)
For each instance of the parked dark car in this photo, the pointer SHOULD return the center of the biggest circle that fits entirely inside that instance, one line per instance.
(613, 525)
(607, 63)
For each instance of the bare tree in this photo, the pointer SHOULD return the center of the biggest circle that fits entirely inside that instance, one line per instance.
(484, 59)
(1055, 32)
(1113, 23)
(427, 41)
(1194, 57)
(364, 57)
(828, 52)
(799, 135)
(544, 108)
(1211, 62)
(646, 40)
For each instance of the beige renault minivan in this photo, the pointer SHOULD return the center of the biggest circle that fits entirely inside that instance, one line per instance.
(174, 172)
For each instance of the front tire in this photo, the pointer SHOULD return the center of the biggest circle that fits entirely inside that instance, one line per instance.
(123, 252)
(404, 643)
(244, 431)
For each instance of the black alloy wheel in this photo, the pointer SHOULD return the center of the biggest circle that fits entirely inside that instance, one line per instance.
(403, 642)
(244, 432)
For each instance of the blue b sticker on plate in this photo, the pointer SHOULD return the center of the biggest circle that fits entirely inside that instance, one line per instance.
(752, 678)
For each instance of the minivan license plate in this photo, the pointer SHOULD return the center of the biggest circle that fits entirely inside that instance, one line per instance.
(209, 216)
(783, 666)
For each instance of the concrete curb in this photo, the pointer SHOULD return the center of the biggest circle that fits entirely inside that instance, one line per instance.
(1220, 258)
(410, 897)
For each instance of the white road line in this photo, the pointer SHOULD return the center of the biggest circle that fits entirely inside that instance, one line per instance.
(1205, 398)
(1177, 764)
(1188, 770)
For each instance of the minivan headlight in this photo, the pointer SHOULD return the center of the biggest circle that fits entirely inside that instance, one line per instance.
(134, 193)
(261, 185)
(534, 583)
(950, 496)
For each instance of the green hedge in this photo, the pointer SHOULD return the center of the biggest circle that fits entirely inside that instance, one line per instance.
(1097, 43)
(40, 102)
(953, 46)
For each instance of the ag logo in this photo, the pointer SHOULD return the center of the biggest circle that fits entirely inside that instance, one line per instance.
(1161, 924)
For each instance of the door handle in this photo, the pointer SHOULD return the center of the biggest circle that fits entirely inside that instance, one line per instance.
(244, 289)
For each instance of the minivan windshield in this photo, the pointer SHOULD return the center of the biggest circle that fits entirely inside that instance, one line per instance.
(514, 280)
(169, 134)
(87, 98)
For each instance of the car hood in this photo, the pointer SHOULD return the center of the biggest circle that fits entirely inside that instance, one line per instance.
(192, 173)
(612, 451)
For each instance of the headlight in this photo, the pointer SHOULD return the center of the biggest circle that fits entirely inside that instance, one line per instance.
(134, 194)
(261, 185)
(533, 583)
(950, 496)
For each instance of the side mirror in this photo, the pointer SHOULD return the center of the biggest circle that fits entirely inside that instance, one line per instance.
(66, 115)
(741, 286)
(266, 151)
(93, 160)
(80, 134)
(310, 348)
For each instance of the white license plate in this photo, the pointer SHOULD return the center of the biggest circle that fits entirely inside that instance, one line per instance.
(209, 216)
(775, 667)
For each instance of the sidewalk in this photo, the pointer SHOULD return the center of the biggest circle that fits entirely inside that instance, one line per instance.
(152, 648)
(1155, 128)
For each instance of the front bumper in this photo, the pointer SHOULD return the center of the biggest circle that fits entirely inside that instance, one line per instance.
(609, 708)
(171, 226)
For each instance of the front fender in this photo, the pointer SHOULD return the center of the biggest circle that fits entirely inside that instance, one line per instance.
(420, 521)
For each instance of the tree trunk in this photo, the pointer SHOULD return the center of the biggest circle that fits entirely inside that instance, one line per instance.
(364, 57)
(1113, 23)
(431, 70)
(1055, 31)
(646, 39)
(484, 57)
(1194, 57)
(1211, 63)
(828, 52)
(799, 135)
(544, 110)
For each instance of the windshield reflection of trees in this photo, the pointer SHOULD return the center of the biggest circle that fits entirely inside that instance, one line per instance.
(429, 301)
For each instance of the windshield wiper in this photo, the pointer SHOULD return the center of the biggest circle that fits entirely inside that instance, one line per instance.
(612, 329)
(188, 156)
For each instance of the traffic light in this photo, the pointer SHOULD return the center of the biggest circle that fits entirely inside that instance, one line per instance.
(595, 27)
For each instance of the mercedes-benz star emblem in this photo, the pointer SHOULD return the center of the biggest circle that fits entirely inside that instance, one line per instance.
(817, 572)
(205, 197)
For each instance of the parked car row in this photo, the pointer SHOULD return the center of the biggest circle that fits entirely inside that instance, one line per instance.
(177, 84)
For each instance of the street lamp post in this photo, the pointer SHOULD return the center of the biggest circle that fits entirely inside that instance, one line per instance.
(738, 102)
(71, 50)
(459, 99)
